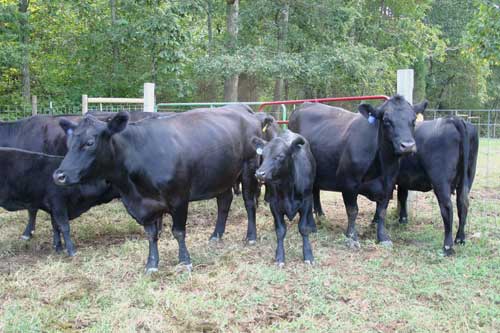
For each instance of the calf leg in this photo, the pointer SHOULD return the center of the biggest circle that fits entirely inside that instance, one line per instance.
(317, 202)
(30, 227)
(280, 228)
(402, 199)
(61, 218)
(351, 206)
(153, 230)
(56, 237)
(249, 185)
(306, 216)
(179, 217)
(463, 209)
(223, 204)
(443, 194)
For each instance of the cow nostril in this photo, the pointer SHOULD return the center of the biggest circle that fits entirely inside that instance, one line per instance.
(407, 145)
(260, 174)
(60, 177)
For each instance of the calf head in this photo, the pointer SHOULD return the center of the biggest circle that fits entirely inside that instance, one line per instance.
(89, 149)
(277, 156)
(397, 118)
(268, 124)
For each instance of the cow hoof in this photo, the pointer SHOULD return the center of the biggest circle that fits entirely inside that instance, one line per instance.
(215, 239)
(251, 242)
(151, 270)
(71, 253)
(25, 238)
(460, 241)
(448, 251)
(183, 267)
(308, 262)
(280, 264)
(403, 220)
(387, 244)
(352, 244)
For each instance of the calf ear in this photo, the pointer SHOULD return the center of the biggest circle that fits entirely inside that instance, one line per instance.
(296, 144)
(367, 110)
(258, 144)
(420, 107)
(67, 126)
(118, 122)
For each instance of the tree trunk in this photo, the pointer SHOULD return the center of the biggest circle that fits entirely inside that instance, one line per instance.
(247, 88)
(25, 43)
(114, 46)
(282, 22)
(207, 87)
(231, 81)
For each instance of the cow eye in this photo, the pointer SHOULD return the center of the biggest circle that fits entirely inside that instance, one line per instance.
(89, 143)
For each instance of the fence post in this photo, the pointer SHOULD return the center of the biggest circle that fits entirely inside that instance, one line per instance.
(405, 88)
(149, 97)
(34, 109)
(85, 104)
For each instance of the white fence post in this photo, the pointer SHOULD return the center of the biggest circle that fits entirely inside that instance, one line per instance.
(149, 97)
(85, 104)
(405, 88)
(34, 105)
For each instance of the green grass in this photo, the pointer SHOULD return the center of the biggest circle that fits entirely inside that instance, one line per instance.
(234, 287)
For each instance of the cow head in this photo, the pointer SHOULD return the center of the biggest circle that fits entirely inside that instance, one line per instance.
(397, 118)
(277, 156)
(89, 149)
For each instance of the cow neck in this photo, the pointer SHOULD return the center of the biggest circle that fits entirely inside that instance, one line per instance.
(388, 160)
(119, 174)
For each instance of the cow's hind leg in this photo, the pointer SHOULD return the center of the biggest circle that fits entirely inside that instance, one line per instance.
(56, 236)
(318, 209)
(249, 185)
(179, 217)
(443, 194)
(30, 227)
(351, 206)
(61, 218)
(223, 205)
(153, 232)
(403, 199)
(280, 228)
(306, 216)
(463, 209)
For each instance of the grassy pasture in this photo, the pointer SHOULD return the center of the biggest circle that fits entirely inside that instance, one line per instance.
(234, 287)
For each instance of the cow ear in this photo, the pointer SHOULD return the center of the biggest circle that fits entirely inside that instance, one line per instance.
(368, 110)
(258, 144)
(67, 126)
(118, 122)
(420, 107)
(296, 143)
(268, 120)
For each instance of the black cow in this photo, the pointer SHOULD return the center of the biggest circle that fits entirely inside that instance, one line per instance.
(288, 169)
(160, 165)
(43, 134)
(26, 183)
(445, 161)
(353, 148)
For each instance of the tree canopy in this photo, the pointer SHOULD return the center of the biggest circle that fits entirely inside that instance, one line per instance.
(61, 49)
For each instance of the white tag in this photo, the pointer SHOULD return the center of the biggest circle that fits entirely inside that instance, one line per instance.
(259, 151)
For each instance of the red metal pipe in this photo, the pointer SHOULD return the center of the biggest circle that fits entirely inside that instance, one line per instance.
(320, 100)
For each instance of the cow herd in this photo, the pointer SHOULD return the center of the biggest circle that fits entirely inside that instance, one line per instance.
(157, 163)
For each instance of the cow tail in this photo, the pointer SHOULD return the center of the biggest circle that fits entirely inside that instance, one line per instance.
(463, 181)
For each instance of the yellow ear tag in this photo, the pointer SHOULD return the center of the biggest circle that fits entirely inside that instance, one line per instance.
(265, 128)
(420, 117)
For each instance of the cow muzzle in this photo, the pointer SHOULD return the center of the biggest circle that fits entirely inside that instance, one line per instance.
(261, 176)
(408, 147)
(59, 178)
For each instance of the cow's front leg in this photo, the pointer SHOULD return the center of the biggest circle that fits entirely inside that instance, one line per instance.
(152, 231)
(179, 217)
(381, 212)
(61, 219)
(402, 200)
(56, 236)
(223, 205)
(306, 220)
(318, 209)
(351, 206)
(280, 228)
(249, 184)
(30, 227)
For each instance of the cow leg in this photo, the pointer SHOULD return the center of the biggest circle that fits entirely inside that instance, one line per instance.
(223, 204)
(30, 228)
(351, 206)
(376, 217)
(249, 185)
(463, 208)
(56, 237)
(443, 194)
(380, 212)
(179, 217)
(317, 202)
(402, 199)
(280, 228)
(153, 231)
(61, 219)
(306, 216)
